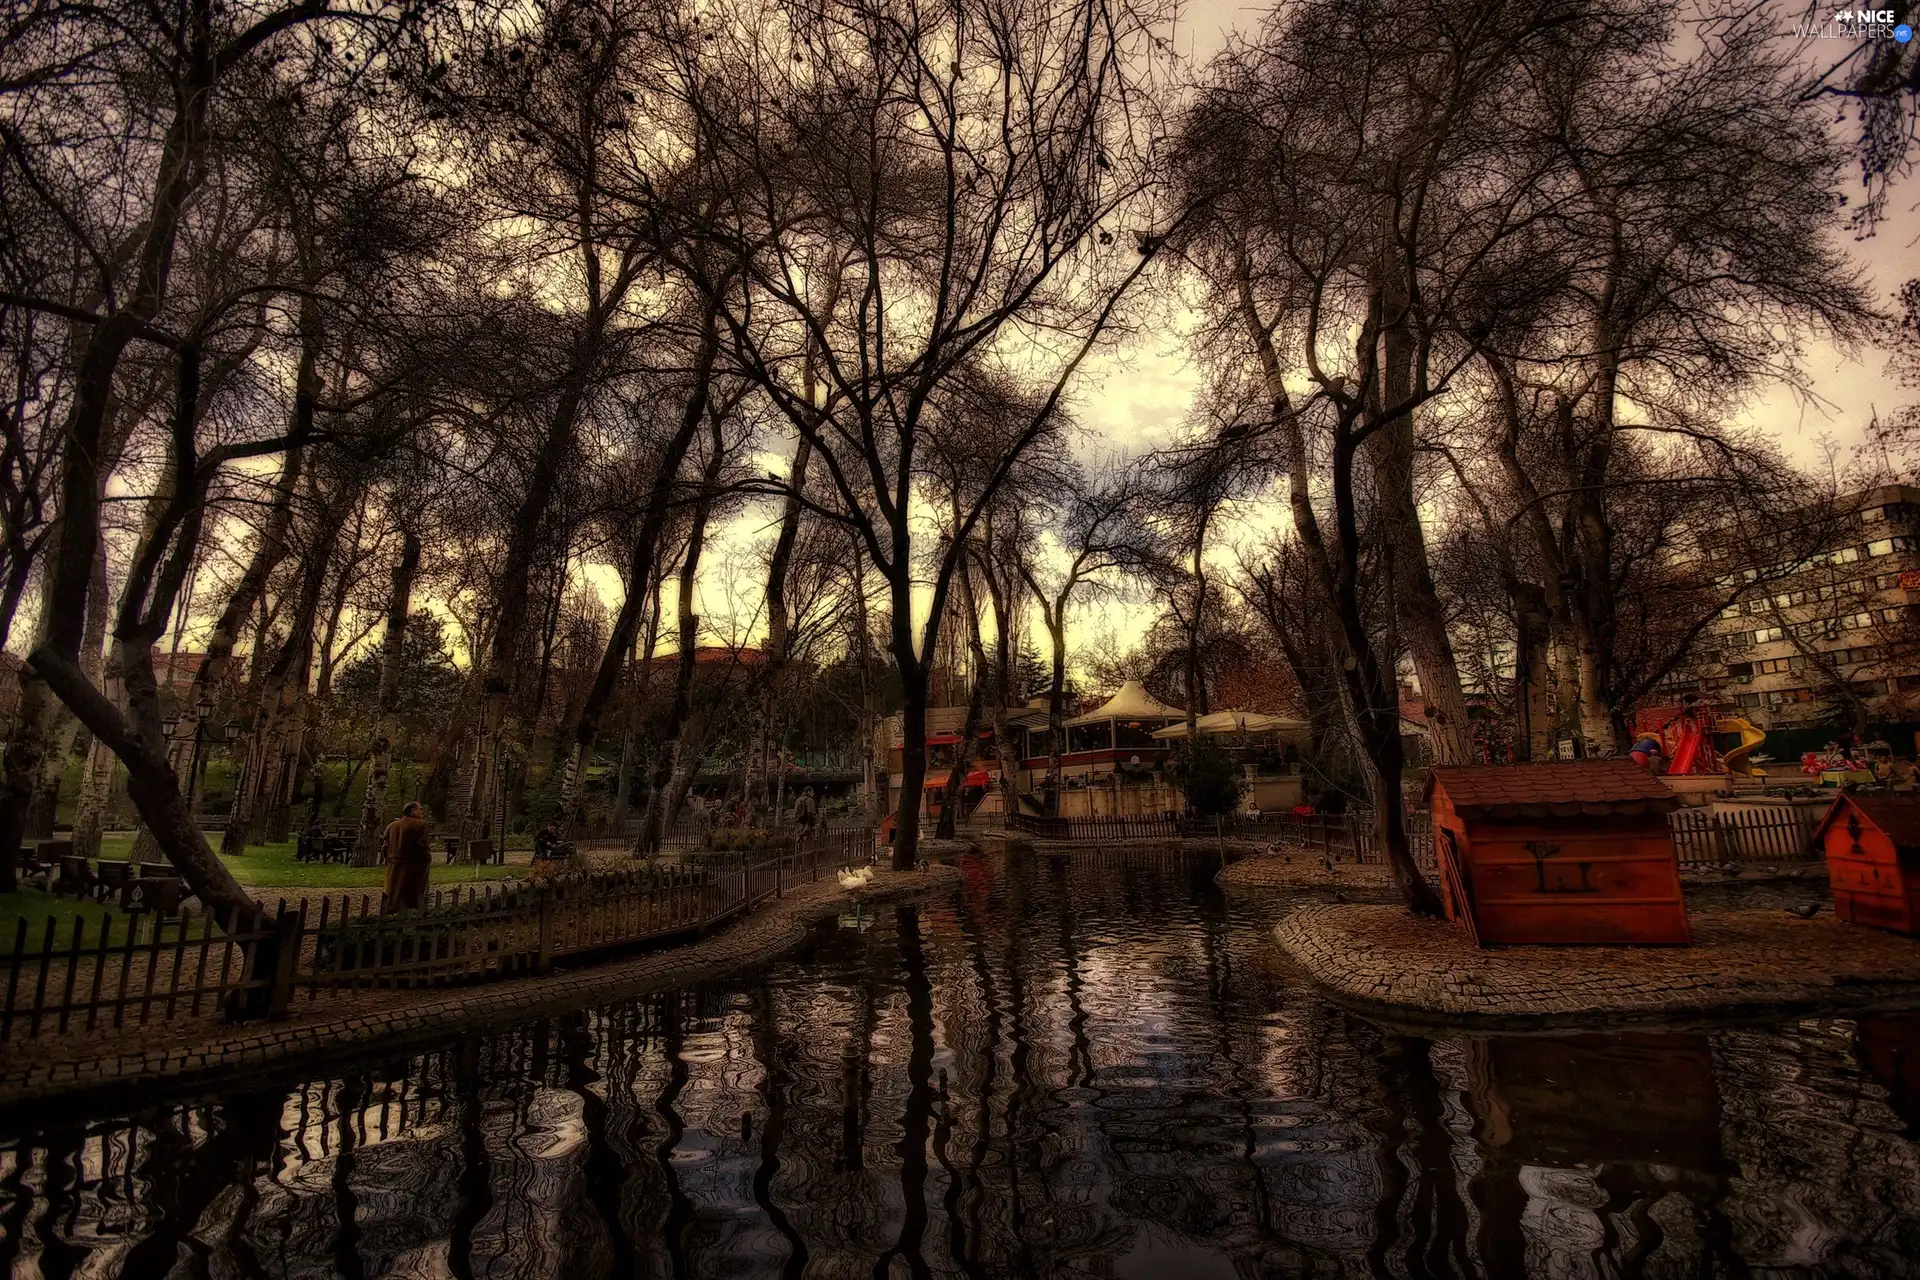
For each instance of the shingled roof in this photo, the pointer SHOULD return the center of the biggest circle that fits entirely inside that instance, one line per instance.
(1584, 787)
(1898, 816)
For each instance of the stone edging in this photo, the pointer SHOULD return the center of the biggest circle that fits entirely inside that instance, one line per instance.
(1743, 964)
(396, 1025)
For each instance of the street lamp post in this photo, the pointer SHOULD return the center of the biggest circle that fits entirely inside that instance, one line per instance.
(204, 708)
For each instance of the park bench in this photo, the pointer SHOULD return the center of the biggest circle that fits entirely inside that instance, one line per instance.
(76, 877)
(158, 894)
(111, 877)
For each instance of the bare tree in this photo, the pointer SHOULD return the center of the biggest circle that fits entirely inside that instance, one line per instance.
(965, 197)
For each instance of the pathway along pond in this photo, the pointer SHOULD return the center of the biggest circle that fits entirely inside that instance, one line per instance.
(1086, 1068)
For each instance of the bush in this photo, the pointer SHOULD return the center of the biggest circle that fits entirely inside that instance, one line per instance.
(1212, 779)
(750, 840)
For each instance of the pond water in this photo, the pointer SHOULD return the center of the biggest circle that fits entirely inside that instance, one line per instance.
(1089, 1068)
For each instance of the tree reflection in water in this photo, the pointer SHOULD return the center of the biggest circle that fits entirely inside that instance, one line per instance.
(1068, 1068)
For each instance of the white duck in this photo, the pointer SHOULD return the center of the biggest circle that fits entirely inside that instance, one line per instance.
(856, 879)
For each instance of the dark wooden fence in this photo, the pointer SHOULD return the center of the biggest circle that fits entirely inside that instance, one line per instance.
(1757, 833)
(1346, 836)
(142, 969)
(131, 970)
(1159, 826)
(1700, 836)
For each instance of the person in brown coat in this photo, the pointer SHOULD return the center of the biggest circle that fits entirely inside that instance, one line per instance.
(409, 861)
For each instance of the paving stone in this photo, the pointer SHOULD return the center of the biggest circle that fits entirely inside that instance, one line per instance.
(1741, 964)
(1303, 869)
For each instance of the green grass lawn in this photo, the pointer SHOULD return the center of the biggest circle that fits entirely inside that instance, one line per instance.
(273, 865)
(36, 906)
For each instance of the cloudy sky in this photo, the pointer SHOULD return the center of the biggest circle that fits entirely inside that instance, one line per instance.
(1147, 386)
(1132, 396)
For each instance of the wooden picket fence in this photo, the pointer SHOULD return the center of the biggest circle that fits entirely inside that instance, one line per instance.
(1759, 833)
(1152, 826)
(1349, 837)
(133, 971)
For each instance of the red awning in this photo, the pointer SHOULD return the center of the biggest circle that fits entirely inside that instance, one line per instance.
(977, 778)
(942, 739)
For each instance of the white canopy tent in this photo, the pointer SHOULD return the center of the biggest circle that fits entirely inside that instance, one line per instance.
(1133, 702)
(1233, 722)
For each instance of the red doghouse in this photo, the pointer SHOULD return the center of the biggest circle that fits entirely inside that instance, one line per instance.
(1872, 845)
(1558, 853)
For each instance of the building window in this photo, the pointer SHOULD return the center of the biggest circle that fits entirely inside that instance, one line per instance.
(1759, 699)
(1766, 634)
(1873, 515)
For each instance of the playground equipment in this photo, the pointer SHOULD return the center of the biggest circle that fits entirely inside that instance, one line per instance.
(1739, 761)
(1686, 736)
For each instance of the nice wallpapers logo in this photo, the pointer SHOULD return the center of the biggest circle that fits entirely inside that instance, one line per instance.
(1856, 24)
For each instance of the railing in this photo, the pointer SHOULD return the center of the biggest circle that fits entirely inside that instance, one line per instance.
(1340, 836)
(688, 832)
(161, 968)
(1750, 834)
(1163, 826)
(1346, 836)
(1700, 836)
(131, 969)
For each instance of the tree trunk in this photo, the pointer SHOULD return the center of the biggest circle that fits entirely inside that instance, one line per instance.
(779, 623)
(913, 760)
(263, 790)
(96, 776)
(641, 563)
(513, 598)
(159, 565)
(1532, 671)
(154, 790)
(681, 707)
(1335, 570)
(633, 751)
(869, 717)
(1001, 592)
(393, 648)
(976, 701)
(1056, 705)
(1422, 618)
(268, 552)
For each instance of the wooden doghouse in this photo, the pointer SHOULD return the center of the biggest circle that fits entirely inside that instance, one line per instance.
(1558, 853)
(1872, 845)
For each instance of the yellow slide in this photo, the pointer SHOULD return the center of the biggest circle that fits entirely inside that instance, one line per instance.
(1750, 738)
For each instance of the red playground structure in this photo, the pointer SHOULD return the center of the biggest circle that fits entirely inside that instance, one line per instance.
(1681, 739)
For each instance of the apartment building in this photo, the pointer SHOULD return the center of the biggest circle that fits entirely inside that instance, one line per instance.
(1841, 627)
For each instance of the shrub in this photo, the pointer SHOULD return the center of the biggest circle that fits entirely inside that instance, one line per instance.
(1212, 779)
